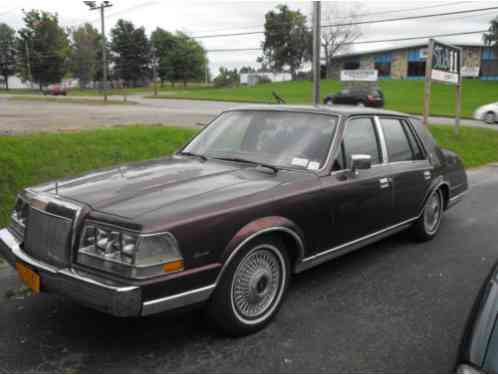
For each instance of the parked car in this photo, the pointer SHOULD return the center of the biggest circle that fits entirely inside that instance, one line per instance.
(362, 97)
(487, 113)
(260, 194)
(479, 350)
(55, 90)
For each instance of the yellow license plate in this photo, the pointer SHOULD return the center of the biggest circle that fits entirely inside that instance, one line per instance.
(30, 277)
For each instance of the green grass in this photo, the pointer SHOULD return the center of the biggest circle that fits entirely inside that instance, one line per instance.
(70, 100)
(28, 160)
(476, 146)
(401, 95)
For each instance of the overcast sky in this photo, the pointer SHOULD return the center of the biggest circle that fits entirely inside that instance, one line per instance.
(214, 17)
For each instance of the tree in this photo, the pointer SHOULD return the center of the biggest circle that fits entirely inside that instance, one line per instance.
(85, 49)
(337, 39)
(165, 44)
(287, 39)
(190, 59)
(181, 58)
(491, 37)
(247, 69)
(7, 52)
(42, 48)
(227, 77)
(131, 52)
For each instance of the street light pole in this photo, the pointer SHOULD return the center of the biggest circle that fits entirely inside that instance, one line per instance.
(93, 6)
(316, 52)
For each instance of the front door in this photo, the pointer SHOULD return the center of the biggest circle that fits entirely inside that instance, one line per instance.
(358, 205)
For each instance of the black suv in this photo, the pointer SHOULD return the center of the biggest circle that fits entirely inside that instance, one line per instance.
(363, 97)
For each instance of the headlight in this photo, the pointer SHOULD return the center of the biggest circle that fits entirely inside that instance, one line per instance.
(128, 254)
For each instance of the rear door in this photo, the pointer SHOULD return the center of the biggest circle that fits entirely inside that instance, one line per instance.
(411, 170)
(358, 205)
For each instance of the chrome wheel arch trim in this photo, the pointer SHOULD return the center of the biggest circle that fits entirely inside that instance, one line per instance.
(241, 245)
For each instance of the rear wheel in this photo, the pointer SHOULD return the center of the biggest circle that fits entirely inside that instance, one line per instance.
(427, 226)
(360, 104)
(490, 118)
(328, 101)
(252, 288)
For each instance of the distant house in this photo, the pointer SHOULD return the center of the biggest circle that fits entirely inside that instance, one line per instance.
(251, 79)
(16, 83)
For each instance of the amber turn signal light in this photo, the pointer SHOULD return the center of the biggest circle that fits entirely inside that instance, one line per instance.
(177, 265)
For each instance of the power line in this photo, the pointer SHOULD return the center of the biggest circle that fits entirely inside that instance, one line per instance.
(358, 22)
(342, 17)
(368, 41)
(411, 17)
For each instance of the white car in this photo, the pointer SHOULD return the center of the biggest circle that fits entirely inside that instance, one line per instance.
(487, 113)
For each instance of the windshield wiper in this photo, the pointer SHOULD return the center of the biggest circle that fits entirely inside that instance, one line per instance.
(257, 163)
(202, 157)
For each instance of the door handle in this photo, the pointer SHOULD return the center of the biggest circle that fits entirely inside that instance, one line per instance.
(427, 175)
(385, 182)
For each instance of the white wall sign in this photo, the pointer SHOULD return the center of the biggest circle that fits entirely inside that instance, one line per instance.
(470, 71)
(368, 75)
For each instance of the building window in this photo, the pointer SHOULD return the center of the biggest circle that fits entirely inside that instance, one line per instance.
(383, 64)
(416, 63)
(352, 65)
(489, 64)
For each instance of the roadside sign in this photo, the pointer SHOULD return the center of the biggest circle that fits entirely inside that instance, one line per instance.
(443, 65)
(365, 75)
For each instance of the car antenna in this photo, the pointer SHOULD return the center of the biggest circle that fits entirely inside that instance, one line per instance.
(278, 98)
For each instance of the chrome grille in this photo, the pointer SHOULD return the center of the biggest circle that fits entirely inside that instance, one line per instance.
(47, 237)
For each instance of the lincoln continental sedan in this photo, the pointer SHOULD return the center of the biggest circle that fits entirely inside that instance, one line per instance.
(260, 194)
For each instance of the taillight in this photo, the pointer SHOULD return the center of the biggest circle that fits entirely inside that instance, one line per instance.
(372, 98)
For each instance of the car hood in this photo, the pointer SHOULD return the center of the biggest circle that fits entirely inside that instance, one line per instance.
(178, 183)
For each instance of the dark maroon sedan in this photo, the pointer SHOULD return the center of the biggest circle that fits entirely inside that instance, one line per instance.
(260, 194)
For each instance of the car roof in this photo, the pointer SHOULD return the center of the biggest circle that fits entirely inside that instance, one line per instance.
(340, 110)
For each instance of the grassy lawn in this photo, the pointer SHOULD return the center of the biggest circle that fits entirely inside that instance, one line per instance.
(51, 99)
(404, 96)
(28, 160)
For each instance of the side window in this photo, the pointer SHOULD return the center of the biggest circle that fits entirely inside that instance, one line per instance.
(398, 146)
(360, 137)
(418, 154)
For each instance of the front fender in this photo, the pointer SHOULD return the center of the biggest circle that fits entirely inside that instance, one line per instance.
(262, 226)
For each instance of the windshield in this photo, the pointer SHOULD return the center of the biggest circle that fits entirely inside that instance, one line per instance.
(285, 139)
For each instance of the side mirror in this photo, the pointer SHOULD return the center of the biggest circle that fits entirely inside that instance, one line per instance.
(359, 162)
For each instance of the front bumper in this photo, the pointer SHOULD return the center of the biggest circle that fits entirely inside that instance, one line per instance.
(97, 293)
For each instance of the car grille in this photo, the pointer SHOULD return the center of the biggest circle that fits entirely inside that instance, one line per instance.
(47, 237)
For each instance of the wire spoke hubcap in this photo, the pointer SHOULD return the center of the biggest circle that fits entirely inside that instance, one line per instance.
(432, 213)
(257, 283)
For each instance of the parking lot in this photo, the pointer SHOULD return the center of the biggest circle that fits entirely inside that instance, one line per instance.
(396, 306)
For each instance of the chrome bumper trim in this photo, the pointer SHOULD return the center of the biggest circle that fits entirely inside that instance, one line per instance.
(178, 300)
(87, 290)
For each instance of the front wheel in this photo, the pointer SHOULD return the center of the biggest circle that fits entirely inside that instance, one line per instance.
(427, 226)
(252, 288)
(490, 118)
(360, 104)
(328, 101)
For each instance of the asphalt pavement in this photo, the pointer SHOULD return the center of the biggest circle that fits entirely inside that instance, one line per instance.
(396, 306)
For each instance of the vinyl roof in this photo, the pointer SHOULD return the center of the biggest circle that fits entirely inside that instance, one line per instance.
(344, 110)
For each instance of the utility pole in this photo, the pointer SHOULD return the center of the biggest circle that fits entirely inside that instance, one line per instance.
(93, 6)
(28, 63)
(316, 52)
(154, 70)
(428, 82)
